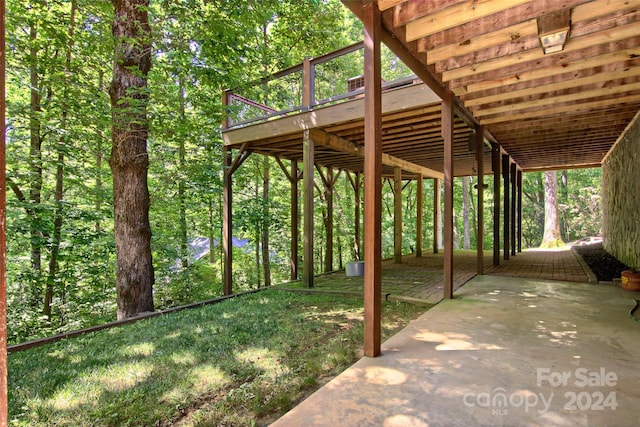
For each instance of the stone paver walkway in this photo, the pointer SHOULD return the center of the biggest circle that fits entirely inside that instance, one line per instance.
(422, 279)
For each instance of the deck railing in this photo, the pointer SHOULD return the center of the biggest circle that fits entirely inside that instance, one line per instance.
(329, 79)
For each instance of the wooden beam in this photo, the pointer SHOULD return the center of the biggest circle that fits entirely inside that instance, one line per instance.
(554, 70)
(436, 215)
(227, 223)
(575, 44)
(307, 213)
(495, 166)
(453, 16)
(397, 215)
(447, 135)
(629, 71)
(357, 204)
(329, 186)
(419, 208)
(343, 145)
(560, 98)
(480, 204)
(506, 168)
(388, 4)
(572, 108)
(501, 36)
(373, 180)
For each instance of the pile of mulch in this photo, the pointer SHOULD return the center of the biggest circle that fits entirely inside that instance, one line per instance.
(604, 265)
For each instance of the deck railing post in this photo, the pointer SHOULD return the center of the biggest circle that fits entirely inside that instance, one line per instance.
(308, 83)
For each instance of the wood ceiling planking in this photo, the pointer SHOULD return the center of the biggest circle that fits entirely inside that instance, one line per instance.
(544, 109)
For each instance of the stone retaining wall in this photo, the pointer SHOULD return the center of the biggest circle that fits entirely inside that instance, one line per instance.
(621, 197)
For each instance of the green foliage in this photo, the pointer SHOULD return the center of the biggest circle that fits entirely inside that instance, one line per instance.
(234, 363)
(199, 48)
(578, 205)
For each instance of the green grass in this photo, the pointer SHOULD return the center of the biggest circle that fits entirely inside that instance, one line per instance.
(245, 361)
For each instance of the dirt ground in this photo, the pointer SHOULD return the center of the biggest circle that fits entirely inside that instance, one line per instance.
(604, 265)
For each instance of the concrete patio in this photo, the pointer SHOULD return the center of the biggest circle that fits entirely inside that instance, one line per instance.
(505, 351)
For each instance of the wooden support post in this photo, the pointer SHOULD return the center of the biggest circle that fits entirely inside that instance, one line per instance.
(307, 166)
(397, 215)
(506, 168)
(227, 223)
(358, 205)
(513, 208)
(436, 215)
(447, 134)
(328, 256)
(295, 220)
(519, 180)
(495, 166)
(373, 179)
(419, 202)
(480, 165)
(4, 406)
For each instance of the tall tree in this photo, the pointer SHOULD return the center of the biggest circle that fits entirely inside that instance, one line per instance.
(129, 159)
(52, 275)
(551, 237)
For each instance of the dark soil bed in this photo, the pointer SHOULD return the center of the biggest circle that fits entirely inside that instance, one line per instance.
(604, 265)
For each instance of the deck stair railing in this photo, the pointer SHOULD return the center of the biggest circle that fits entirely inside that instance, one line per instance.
(317, 82)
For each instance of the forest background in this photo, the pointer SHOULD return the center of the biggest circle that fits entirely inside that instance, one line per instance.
(60, 248)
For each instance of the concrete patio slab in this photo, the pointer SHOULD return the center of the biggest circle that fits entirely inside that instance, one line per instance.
(504, 352)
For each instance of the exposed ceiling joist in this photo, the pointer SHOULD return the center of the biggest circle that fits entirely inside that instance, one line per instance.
(344, 145)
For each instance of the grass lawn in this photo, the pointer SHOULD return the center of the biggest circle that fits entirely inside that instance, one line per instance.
(245, 361)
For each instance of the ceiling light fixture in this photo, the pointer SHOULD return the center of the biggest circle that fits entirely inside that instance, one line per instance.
(553, 30)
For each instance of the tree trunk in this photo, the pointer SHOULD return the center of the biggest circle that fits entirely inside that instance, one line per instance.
(35, 156)
(551, 237)
(99, 157)
(62, 142)
(266, 262)
(212, 253)
(184, 253)
(129, 160)
(257, 231)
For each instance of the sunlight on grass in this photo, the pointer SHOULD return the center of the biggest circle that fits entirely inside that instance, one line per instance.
(263, 359)
(68, 398)
(185, 358)
(125, 376)
(242, 362)
(141, 349)
(206, 377)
